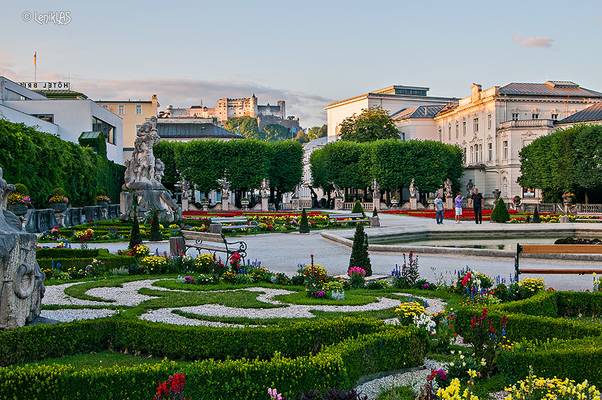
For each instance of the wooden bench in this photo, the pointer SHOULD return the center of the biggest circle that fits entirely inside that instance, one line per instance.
(214, 243)
(220, 224)
(556, 249)
(345, 218)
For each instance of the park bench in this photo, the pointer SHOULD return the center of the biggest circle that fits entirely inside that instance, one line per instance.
(211, 242)
(556, 249)
(347, 218)
(220, 224)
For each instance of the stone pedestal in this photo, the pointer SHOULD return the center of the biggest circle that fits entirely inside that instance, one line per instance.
(339, 203)
(177, 246)
(225, 204)
(413, 203)
(184, 204)
(374, 222)
(469, 202)
(449, 203)
(149, 200)
(60, 218)
(40, 221)
(564, 219)
(264, 204)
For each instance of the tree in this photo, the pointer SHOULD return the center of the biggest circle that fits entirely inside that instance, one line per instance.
(246, 126)
(500, 212)
(302, 137)
(285, 168)
(317, 132)
(371, 124)
(166, 151)
(359, 250)
(274, 132)
(536, 218)
(304, 224)
(203, 162)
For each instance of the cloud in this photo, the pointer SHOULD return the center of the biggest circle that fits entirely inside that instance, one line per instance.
(532, 41)
(187, 92)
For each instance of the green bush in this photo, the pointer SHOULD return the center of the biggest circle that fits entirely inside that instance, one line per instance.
(358, 209)
(359, 251)
(367, 348)
(155, 232)
(76, 266)
(44, 162)
(500, 212)
(536, 218)
(70, 253)
(304, 224)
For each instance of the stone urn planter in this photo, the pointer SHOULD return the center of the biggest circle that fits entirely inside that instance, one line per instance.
(244, 203)
(103, 204)
(18, 209)
(58, 207)
(394, 202)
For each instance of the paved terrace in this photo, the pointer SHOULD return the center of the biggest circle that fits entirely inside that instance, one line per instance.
(283, 252)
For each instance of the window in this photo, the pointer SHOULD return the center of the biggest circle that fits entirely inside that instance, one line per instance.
(475, 125)
(45, 117)
(457, 130)
(471, 154)
(488, 121)
(489, 151)
(514, 116)
(464, 155)
(505, 149)
(481, 153)
(535, 116)
(449, 132)
(464, 128)
(99, 125)
(555, 117)
(476, 153)
(138, 109)
(440, 137)
(121, 109)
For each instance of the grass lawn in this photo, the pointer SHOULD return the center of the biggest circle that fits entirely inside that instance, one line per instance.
(397, 393)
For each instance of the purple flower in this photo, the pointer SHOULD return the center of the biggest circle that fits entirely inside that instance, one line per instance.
(426, 285)
(320, 294)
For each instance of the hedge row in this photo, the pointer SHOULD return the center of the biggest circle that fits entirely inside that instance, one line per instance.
(549, 344)
(57, 252)
(44, 162)
(339, 365)
(177, 342)
(108, 263)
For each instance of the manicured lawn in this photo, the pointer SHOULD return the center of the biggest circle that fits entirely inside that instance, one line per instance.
(397, 393)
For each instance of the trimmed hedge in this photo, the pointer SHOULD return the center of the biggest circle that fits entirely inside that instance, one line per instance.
(368, 347)
(550, 345)
(70, 253)
(109, 263)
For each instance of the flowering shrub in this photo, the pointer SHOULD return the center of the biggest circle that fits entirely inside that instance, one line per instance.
(407, 275)
(84, 235)
(172, 388)
(153, 264)
(234, 261)
(103, 198)
(274, 395)
(335, 290)
(260, 274)
(535, 388)
(204, 263)
(532, 285)
(406, 311)
(465, 366)
(18, 198)
(356, 270)
(454, 392)
(314, 278)
(426, 322)
(140, 250)
(188, 279)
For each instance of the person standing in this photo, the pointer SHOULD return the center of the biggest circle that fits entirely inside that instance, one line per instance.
(439, 210)
(477, 206)
(458, 206)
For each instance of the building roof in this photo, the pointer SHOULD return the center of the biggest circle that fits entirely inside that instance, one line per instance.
(62, 94)
(193, 130)
(549, 88)
(591, 113)
(428, 111)
(393, 91)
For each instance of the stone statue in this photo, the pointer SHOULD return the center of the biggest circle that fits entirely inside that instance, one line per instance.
(265, 188)
(469, 187)
(143, 176)
(225, 186)
(375, 188)
(412, 189)
(22, 281)
(448, 188)
(339, 193)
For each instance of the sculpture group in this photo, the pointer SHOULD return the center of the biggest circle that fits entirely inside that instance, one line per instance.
(22, 284)
(142, 189)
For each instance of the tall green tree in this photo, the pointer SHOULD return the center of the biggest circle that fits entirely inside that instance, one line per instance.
(275, 132)
(371, 124)
(359, 251)
(317, 132)
(203, 163)
(246, 126)
(285, 169)
(166, 151)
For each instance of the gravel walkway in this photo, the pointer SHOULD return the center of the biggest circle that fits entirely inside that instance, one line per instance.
(68, 315)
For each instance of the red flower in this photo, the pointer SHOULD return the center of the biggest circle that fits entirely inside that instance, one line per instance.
(466, 278)
(473, 321)
(484, 313)
(491, 327)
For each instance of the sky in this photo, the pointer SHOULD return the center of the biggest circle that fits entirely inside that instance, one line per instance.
(308, 53)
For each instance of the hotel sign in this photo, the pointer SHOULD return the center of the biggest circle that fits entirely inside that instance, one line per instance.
(47, 85)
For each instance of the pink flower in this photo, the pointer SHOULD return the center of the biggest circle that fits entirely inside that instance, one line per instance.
(274, 395)
(356, 270)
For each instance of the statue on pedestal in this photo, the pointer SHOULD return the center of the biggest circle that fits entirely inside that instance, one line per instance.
(143, 176)
(447, 185)
(412, 189)
(469, 187)
(22, 283)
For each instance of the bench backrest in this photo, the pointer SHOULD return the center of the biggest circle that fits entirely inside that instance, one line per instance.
(560, 248)
(231, 220)
(343, 216)
(205, 236)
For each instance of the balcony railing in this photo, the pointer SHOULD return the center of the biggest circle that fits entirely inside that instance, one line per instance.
(528, 123)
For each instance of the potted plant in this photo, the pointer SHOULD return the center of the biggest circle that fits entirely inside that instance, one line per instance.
(59, 200)
(19, 201)
(394, 201)
(244, 203)
(568, 198)
(103, 200)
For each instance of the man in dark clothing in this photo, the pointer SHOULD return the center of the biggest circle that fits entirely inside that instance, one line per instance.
(477, 205)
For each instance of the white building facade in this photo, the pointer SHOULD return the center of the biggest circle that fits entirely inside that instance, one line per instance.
(67, 118)
(393, 99)
(491, 127)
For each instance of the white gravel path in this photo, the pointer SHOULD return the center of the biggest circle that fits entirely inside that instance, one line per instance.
(68, 315)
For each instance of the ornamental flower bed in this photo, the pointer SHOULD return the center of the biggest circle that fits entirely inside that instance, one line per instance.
(467, 213)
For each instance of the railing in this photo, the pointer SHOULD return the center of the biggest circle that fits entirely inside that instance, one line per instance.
(559, 208)
(528, 123)
(366, 206)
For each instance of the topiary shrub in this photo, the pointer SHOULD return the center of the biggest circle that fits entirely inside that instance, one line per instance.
(500, 212)
(359, 251)
(536, 218)
(357, 208)
(304, 224)
(375, 213)
(21, 189)
(155, 229)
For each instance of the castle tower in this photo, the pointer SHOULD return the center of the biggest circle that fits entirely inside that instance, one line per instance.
(282, 105)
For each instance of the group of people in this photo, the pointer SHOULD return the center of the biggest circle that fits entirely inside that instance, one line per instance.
(477, 205)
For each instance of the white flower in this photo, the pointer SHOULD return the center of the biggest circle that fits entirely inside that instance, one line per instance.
(464, 364)
(483, 362)
(461, 356)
